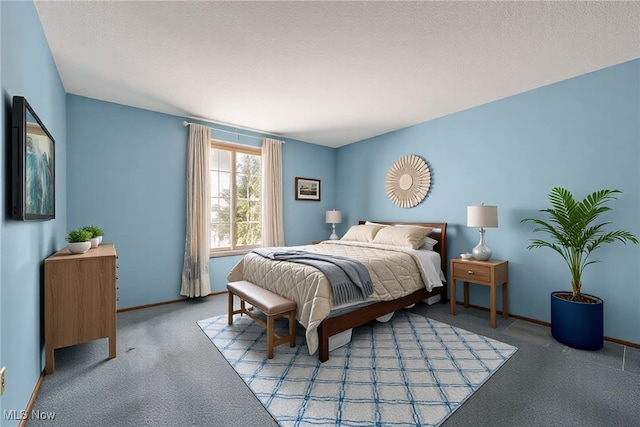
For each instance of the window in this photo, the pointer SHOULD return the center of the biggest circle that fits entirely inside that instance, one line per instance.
(236, 202)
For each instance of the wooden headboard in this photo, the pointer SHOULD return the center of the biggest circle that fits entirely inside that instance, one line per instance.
(439, 233)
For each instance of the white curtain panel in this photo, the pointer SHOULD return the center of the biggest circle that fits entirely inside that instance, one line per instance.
(195, 273)
(272, 210)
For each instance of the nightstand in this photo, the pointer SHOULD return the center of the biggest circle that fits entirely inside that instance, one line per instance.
(490, 273)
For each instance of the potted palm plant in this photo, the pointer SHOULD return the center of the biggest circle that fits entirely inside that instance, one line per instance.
(577, 319)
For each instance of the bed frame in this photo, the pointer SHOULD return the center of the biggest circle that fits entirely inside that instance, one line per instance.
(335, 325)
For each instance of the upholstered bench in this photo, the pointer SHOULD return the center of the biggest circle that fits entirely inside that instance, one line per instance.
(273, 306)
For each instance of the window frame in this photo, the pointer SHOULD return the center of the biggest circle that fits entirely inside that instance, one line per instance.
(233, 148)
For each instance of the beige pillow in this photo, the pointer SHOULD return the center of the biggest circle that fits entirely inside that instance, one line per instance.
(362, 233)
(405, 236)
(428, 242)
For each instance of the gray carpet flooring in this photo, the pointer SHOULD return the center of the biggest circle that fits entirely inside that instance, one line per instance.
(167, 373)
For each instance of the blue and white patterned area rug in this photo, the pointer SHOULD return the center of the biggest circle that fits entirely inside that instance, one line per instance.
(409, 371)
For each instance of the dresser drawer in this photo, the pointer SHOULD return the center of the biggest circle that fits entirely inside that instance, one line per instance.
(469, 272)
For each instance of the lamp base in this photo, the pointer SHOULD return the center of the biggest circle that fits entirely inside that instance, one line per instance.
(481, 252)
(334, 236)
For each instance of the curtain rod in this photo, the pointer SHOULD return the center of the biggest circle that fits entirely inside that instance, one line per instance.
(186, 123)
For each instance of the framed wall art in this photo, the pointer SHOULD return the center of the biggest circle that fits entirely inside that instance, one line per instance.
(33, 165)
(308, 189)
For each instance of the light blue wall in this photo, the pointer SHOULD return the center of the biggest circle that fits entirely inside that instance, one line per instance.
(582, 133)
(305, 220)
(127, 174)
(28, 70)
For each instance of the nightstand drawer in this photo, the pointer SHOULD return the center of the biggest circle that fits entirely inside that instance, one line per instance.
(469, 272)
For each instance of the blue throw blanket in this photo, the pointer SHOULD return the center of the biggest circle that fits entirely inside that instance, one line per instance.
(350, 280)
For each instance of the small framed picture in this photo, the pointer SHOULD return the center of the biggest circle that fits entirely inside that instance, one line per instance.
(307, 189)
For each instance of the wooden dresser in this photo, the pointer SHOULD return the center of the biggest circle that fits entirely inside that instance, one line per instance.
(79, 299)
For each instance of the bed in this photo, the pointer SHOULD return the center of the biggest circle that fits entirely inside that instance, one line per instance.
(401, 277)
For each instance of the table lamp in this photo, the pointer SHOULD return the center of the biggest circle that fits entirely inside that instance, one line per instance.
(333, 217)
(482, 216)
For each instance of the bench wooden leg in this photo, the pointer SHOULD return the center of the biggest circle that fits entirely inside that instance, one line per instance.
(270, 336)
(292, 329)
(230, 308)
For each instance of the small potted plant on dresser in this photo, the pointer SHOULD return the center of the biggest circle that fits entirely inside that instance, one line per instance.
(79, 241)
(577, 319)
(96, 235)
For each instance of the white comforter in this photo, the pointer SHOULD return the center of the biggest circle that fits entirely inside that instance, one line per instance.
(395, 272)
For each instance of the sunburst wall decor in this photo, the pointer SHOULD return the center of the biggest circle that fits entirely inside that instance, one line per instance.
(408, 181)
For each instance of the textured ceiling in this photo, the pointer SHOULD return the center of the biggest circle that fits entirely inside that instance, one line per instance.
(329, 73)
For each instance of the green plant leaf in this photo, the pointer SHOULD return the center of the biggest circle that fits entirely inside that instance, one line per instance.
(94, 230)
(79, 235)
(571, 230)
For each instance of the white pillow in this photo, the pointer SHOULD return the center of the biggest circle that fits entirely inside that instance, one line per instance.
(428, 243)
(376, 223)
(405, 236)
(362, 233)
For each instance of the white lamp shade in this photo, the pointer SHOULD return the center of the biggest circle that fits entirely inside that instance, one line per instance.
(333, 217)
(482, 216)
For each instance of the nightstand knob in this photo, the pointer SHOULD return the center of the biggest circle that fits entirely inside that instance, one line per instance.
(470, 272)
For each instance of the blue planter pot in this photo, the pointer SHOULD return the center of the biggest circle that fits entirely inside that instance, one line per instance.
(577, 324)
